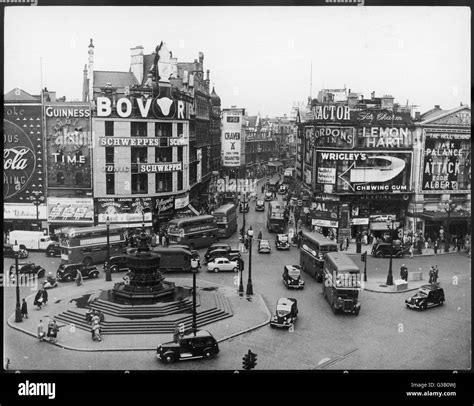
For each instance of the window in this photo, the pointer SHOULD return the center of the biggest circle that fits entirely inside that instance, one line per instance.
(109, 155)
(109, 128)
(139, 155)
(60, 178)
(180, 130)
(139, 183)
(180, 154)
(180, 180)
(110, 183)
(164, 182)
(78, 178)
(163, 129)
(138, 129)
(164, 154)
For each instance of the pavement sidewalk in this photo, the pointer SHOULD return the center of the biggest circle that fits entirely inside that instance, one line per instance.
(249, 313)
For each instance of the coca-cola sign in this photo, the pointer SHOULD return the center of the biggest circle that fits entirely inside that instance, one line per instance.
(23, 167)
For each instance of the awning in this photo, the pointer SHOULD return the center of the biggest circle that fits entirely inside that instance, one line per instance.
(274, 164)
(187, 211)
(442, 215)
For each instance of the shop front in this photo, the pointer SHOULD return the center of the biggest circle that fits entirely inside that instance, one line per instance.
(437, 224)
(133, 212)
(24, 217)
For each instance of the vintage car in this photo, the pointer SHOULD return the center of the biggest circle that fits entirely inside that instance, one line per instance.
(283, 189)
(268, 196)
(68, 272)
(427, 296)
(382, 250)
(292, 277)
(219, 246)
(282, 242)
(286, 313)
(53, 250)
(223, 253)
(222, 264)
(118, 263)
(244, 207)
(260, 205)
(26, 269)
(190, 346)
(264, 247)
(8, 251)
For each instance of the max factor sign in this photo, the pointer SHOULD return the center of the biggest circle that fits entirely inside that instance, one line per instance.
(159, 107)
(330, 112)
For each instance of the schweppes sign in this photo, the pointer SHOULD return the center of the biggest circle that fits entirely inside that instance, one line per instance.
(159, 107)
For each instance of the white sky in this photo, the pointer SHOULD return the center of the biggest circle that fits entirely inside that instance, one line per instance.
(259, 57)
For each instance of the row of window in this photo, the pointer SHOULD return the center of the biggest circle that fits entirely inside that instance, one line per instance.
(139, 185)
(140, 129)
(140, 155)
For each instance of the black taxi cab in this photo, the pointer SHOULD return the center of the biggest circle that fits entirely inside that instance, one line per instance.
(286, 313)
(282, 242)
(188, 346)
(292, 277)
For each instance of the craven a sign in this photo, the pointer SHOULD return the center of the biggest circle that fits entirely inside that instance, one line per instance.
(231, 138)
(159, 107)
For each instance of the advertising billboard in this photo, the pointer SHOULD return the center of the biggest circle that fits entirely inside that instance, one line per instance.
(327, 136)
(23, 158)
(68, 145)
(365, 171)
(124, 210)
(231, 138)
(446, 162)
(70, 210)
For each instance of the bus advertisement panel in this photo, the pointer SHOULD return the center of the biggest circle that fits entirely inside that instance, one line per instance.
(89, 244)
(342, 283)
(196, 232)
(276, 217)
(313, 248)
(226, 217)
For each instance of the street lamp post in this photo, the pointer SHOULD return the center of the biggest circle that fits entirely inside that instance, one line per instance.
(18, 316)
(390, 226)
(249, 282)
(108, 275)
(448, 207)
(194, 268)
(37, 198)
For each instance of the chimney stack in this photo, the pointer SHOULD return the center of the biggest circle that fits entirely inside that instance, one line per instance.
(437, 107)
(136, 64)
(372, 95)
(91, 71)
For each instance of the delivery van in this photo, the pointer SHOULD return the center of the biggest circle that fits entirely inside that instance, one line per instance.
(174, 259)
(33, 240)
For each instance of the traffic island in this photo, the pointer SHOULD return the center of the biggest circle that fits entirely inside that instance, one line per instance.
(399, 286)
(223, 312)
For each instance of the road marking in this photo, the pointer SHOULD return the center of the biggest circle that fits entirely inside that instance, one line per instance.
(326, 362)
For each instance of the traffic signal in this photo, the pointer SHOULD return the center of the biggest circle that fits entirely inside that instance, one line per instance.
(246, 362)
(363, 257)
(253, 359)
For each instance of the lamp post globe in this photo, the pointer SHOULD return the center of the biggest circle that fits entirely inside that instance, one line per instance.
(18, 316)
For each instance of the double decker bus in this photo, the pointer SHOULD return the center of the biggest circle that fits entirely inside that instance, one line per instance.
(273, 185)
(341, 283)
(313, 248)
(276, 217)
(289, 175)
(196, 232)
(89, 244)
(226, 217)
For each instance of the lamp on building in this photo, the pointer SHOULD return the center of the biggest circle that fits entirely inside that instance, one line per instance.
(18, 316)
(37, 198)
(249, 282)
(449, 207)
(108, 274)
(194, 269)
(391, 227)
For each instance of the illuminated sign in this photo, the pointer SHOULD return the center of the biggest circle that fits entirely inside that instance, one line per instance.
(156, 168)
(330, 112)
(231, 138)
(160, 107)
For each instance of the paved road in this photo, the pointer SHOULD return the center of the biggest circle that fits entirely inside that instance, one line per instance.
(385, 335)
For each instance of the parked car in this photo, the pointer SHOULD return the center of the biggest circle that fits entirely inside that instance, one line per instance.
(283, 189)
(190, 346)
(264, 247)
(223, 253)
(222, 264)
(292, 277)
(268, 196)
(118, 263)
(218, 246)
(260, 205)
(282, 242)
(9, 253)
(28, 269)
(286, 313)
(427, 296)
(382, 249)
(68, 272)
(53, 250)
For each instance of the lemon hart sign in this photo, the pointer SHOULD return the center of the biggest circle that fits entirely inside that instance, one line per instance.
(23, 166)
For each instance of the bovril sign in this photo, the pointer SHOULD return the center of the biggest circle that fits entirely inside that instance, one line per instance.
(159, 107)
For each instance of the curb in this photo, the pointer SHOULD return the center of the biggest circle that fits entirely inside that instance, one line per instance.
(390, 292)
(407, 257)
